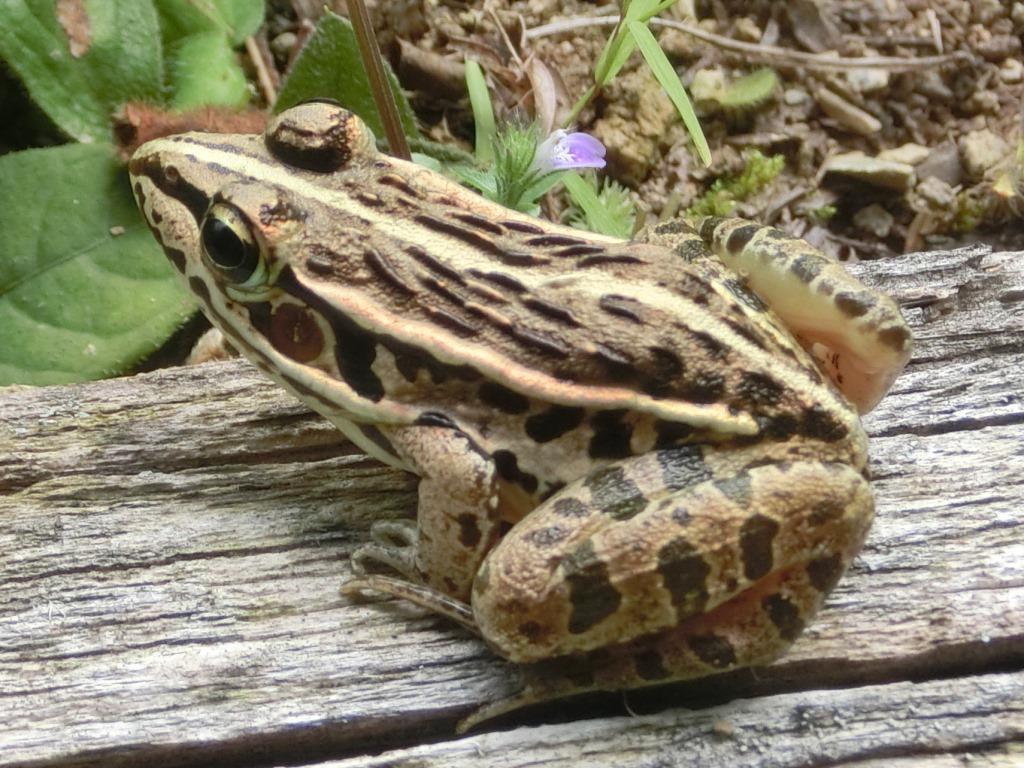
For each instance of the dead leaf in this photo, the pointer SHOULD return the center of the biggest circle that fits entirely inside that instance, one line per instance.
(74, 20)
(136, 123)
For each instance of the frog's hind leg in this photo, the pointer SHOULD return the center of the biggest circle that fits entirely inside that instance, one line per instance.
(752, 629)
(856, 334)
(672, 565)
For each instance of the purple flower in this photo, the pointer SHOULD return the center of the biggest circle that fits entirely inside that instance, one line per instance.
(562, 151)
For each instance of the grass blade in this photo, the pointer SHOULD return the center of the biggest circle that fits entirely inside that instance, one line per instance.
(666, 75)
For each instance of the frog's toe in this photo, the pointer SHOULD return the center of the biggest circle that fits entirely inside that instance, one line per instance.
(377, 558)
(493, 710)
(394, 533)
(392, 548)
(364, 587)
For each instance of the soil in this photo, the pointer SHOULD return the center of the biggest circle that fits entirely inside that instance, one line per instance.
(937, 136)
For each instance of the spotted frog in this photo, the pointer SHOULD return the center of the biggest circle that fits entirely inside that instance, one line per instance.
(639, 461)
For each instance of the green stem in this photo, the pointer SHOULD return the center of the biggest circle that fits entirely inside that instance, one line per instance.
(582, 102)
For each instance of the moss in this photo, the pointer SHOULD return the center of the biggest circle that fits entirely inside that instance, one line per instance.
(721, 198)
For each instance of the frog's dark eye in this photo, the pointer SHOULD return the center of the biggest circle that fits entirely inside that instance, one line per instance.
(229, 245)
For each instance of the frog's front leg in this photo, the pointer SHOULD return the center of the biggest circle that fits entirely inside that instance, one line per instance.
(672, 565)
(457, 518)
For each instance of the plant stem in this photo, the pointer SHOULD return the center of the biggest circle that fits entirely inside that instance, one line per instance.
(379, 85)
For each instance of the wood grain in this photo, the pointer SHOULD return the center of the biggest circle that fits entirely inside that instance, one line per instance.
(876, 725)
(171, 547)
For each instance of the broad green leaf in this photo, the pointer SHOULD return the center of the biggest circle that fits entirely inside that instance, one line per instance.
(234, 19)
(669, 80)
(483, 112)
(76, 301)
(205, 70)
(330, 66)
(243, 16)
(81, 72)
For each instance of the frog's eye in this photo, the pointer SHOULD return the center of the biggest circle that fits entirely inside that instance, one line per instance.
(230, 247)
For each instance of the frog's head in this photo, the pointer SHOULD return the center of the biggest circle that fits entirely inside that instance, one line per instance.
(250, 221)
(223, 205)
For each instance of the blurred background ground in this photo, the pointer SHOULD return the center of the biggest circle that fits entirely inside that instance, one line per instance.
(936, 143)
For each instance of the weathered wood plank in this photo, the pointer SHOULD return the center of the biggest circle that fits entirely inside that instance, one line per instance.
(171, 547)
(879, 725)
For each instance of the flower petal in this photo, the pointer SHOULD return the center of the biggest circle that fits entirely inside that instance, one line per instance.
(562, 151)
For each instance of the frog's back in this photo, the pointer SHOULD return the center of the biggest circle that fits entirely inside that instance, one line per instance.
(551, 315)
(421, 297)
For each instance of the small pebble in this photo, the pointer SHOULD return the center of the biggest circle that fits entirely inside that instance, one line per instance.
(795, 96)
(871, 170)
(981, 150)
(936, 194)
(911, 154)
(1011, 71)
(874, 219)
(867, 80)
(282, 44)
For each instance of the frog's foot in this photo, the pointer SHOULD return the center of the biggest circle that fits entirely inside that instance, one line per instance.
(856, 334)
(418, 594)
(458, 518)
(393, 546)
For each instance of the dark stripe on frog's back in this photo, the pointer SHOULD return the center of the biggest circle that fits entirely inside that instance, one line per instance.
(356, 347)
(585, 341)
(685, 363)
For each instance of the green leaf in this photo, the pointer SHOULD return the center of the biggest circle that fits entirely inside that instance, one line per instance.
(481, 180)
(614, 56)
(245, 17)
(205, 70)
(750, 91)
(116, 58)
(621, 45)
(77, 302)
(598, 218)
(445, 153)
(233, 19)
(639, 10)
(529, 197)
(618, 60)
(665, 75)
(330, 66)
(608, 210)
(483, 112)
(644, 10)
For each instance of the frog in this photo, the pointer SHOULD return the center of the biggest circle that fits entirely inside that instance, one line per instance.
(639, 461)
